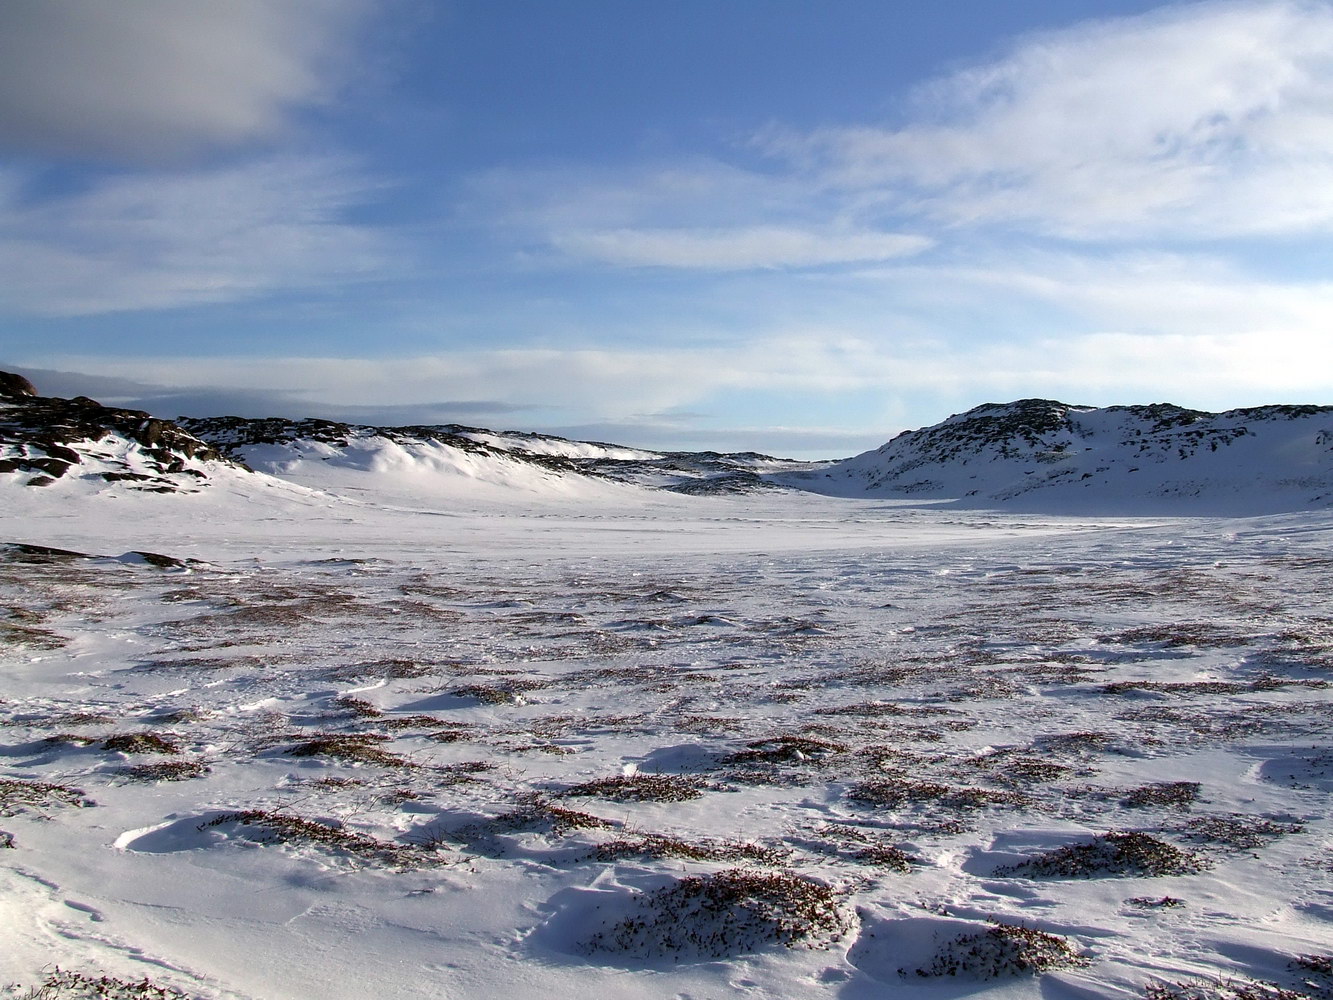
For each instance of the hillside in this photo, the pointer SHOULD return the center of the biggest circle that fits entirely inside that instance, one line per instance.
(1038, 454)
(324, 452)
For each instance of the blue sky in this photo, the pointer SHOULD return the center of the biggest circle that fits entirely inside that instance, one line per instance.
(731, 224)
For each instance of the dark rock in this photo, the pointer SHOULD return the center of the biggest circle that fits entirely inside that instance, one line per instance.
(14, 386)
(64, 454)
(53, 467)
(43, 551)
(157, 559)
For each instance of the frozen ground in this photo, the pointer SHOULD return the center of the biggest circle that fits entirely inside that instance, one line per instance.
(519, 747)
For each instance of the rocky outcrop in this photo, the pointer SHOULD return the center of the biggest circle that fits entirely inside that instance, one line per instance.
(15, 386)
(45, 437)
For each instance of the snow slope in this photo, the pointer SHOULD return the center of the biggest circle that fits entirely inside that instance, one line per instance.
(442, 459)
(1042, 455)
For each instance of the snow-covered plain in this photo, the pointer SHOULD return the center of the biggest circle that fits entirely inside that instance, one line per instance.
(430, 742)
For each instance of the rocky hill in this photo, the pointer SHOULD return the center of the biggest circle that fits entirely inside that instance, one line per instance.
(1039, 454)
(46, 439)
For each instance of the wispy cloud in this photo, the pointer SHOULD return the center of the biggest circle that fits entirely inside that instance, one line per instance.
(161, 78)
(162, 240)
(739, 249)
(1194, 122)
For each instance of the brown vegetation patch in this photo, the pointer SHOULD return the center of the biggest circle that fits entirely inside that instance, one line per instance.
(1131, 853)
(356, 748)
(640, 788)
(1003, 950)
(167, 770)
(140, 743)
(655, 845)
(1176, 794)
(17, 795)
(728, 913)
(894, 792)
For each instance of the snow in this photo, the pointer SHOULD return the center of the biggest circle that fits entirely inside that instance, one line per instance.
(1016, 682)
(534, 444)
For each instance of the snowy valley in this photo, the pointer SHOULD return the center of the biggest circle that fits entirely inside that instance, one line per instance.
(1032, 703)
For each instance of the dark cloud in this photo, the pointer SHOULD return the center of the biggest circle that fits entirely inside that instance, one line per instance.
(143, 79)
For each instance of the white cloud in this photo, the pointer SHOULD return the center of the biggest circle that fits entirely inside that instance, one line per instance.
(153, 241)
(147, 78)
(1198, 121)
(738, 249)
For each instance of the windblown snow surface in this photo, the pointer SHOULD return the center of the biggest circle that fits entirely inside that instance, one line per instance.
(607, 741)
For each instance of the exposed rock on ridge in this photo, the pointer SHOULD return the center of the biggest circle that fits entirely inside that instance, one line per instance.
(46, 437)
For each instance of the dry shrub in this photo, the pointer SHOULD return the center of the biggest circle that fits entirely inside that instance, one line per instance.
(1003, 950)
(1220, 989)
(728, 913)
(1131, 853)
(1177, 794)
(1236, 832)
(1155, 902)
(785, 750)
(167, 770)
(17, 795)
(545, 817)
(356, 748)
(280, 828)
(895, 792)
(640, 788)
(864, 848)
(654, 845)
(62, 984)
(140, 743)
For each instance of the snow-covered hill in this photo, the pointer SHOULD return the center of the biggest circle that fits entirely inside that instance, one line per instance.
(1038, 454)
(328, 453)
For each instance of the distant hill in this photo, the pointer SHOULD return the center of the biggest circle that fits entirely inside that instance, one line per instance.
(309, 451)
(1039, 454)
(1030, 455)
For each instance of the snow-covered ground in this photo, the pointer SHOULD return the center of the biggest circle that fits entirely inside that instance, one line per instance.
(508, 743)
